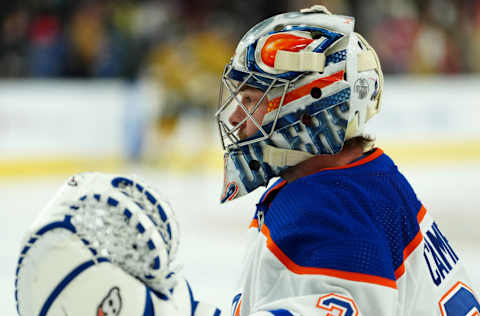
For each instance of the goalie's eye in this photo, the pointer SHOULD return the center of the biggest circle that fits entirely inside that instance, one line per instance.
(250, 96)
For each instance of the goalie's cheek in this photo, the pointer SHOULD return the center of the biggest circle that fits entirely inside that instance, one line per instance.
(250, 128)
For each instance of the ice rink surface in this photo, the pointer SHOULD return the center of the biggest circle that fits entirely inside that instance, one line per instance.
(212, 236)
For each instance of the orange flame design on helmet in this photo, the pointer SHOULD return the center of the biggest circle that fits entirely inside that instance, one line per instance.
(282, 41)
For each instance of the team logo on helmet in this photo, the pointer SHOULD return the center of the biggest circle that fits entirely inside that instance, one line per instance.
(231, 191)
(111, 304)
(261, 54)
(361, 88)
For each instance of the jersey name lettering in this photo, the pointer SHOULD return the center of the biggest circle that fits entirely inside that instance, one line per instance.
(439, 255)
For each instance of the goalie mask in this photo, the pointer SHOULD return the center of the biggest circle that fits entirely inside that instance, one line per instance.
(299, 85)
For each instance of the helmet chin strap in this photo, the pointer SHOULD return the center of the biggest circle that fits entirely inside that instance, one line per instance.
(280, 157)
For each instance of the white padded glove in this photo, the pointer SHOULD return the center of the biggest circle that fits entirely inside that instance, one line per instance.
(104, 245)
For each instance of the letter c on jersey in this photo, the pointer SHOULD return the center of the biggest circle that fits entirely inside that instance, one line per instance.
(337, 305)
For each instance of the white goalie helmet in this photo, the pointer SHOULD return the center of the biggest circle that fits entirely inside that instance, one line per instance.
(320, 83)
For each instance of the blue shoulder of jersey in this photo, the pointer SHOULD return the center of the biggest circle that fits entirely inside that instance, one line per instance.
(357, 219)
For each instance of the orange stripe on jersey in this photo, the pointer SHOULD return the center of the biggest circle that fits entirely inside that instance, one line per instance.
(295, 268)
(412, 245)
(421, 214)
(278, 186)
(377, 153)
(304, 90)
(237, 312)
(254, 223)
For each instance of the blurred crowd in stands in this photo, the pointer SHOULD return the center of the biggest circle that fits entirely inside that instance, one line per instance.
(184, 44)
(121, 38)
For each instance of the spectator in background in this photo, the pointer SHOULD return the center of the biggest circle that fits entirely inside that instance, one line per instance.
(13, 44)
(474, 43)
(86, 36)
(46, 49)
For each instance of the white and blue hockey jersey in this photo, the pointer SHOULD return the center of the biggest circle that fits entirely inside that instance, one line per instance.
(346, 241)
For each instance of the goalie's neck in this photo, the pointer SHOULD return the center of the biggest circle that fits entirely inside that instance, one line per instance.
(319, 162)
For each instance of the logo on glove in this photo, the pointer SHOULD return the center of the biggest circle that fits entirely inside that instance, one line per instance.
(111, 304)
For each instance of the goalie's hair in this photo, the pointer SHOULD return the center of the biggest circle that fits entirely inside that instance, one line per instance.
(365, 142)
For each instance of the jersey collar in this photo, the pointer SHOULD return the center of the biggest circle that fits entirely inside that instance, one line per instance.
(279, 184)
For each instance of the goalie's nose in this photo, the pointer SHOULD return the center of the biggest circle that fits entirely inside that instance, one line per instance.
(237, 116)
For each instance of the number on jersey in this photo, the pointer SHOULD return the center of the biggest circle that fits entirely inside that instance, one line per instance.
(459, 301)
(337, 305)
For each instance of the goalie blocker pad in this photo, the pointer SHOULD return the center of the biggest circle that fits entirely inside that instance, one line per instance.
(57, 275)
